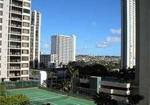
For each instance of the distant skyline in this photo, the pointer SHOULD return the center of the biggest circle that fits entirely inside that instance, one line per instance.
(96, 23)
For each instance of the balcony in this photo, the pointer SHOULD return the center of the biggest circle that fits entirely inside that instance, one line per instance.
(14, 74)
(14, 46)
(16, 25)
(116, 84)
(15, 54)
(16, 12)
(15, 60)
(15, 32)
(15, 39)
(115, 91)
(15, 4)
(14, 68)
(16, 19)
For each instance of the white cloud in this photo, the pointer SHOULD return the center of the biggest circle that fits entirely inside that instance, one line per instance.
(115, 31)
(115, 37)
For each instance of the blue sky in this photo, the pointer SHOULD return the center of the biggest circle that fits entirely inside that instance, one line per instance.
(96, 23)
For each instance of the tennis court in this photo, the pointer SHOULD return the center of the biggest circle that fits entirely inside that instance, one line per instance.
(40, 97)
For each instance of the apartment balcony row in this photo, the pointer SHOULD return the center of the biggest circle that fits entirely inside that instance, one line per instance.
(16, 25)
(16, 19)
(15, 39)
(13, 46)
(15, 60)
(116, 84)
(14, 75)
(16, 12)
(15, 54)
(115, 91)
(15, 32)
(14, 68)
(17, 5)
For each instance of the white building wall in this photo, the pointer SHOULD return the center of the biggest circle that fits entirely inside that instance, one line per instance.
(13, 43)
(64, 48)
(128, 33)
(35, 34)
(4, 39)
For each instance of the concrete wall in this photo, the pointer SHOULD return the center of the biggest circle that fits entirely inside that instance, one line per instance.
(143, 49)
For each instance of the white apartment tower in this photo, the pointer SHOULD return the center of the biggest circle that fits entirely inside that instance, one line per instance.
(14, 39)
(63, 49)
(128, 51)
(35, 39)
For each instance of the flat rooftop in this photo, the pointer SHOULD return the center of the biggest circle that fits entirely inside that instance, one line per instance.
(39, 97)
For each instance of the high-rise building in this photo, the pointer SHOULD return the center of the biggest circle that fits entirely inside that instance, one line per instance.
(14, 39)
(35, 40)
(128, 49)
(63, 49)
(143, 49)
(45, 60)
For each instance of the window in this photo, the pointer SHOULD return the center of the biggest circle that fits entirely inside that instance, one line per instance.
(25, 51)
(25, 24)
(1, 13)
(25, 59)
(26, 11)
(0, 28)
(0, 50)
(0, 35)
(0, 42)
(26, 17)
(25, 72)
(25, 44)
(1, 5)
(26, 31)
(24, 65)
(26, 4)
(25, 38)
(0, 20)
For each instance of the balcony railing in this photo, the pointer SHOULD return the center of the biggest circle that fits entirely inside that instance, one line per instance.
(15, 39)
(15, 18)
(16, 60)
(14, 67)
(15, 53)
(14, 46)
(16, 12)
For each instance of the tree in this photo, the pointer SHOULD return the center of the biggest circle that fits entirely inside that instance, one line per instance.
(14, 100)
(3, 91)
(104, 99)
(73, 73)
(135, 99)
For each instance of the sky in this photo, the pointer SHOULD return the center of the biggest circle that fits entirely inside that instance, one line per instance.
(96, 24)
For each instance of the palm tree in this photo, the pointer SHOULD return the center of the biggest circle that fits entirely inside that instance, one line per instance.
(66, 86)
(135, 99)
(73, 73)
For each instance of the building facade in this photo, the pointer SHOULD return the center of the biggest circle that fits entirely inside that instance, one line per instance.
(128, 40)
(35, 40)
(143, 50)
(63, 49)
(45, 60)
(15, 16)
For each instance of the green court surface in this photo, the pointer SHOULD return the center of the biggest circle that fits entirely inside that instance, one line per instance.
(40, 97)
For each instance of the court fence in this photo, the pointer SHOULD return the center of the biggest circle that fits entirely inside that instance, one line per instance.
(21, 84)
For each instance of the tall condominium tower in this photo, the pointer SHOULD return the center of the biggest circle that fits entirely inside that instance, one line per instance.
(14, 39)
(143, 49)
(35, 40)
(128, 51)
(63, 49)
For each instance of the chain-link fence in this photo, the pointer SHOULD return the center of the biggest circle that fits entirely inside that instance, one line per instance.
(20, 84)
